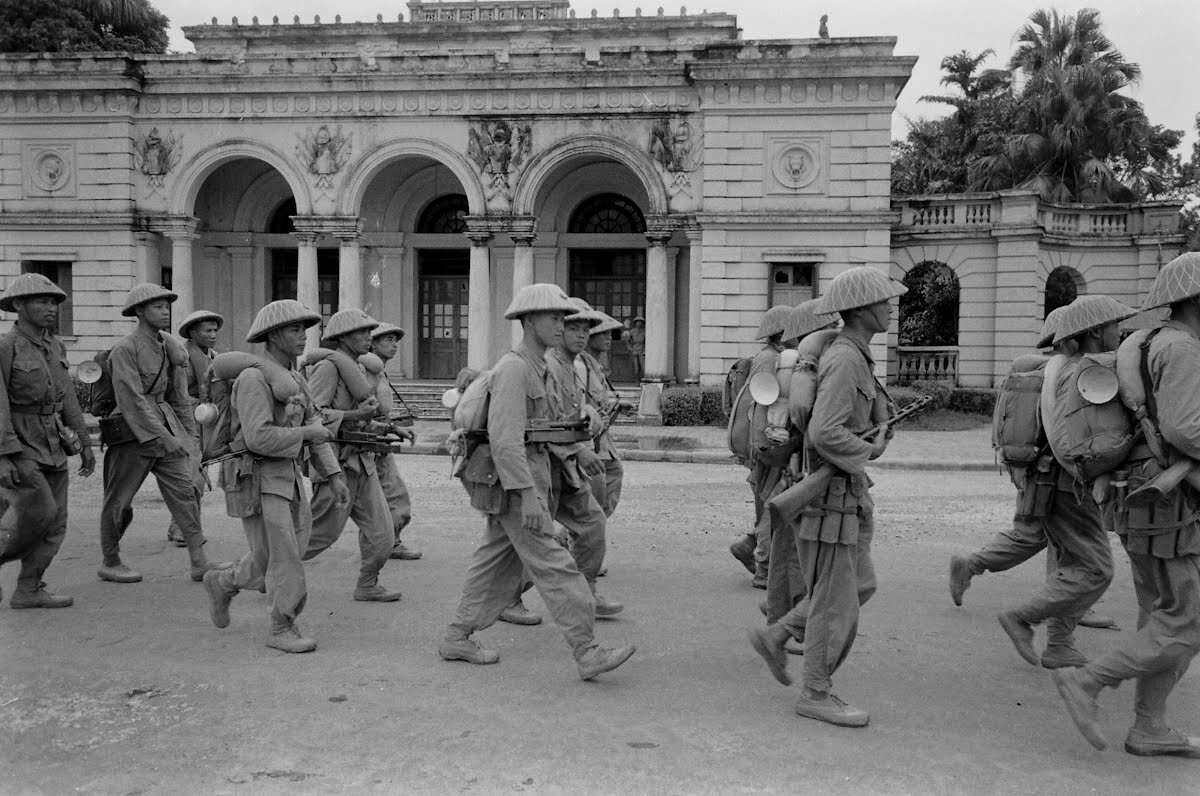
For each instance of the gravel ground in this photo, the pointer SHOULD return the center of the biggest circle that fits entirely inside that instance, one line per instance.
(134, 691)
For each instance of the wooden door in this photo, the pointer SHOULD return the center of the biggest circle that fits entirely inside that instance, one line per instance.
(613, 281)
(442, 306)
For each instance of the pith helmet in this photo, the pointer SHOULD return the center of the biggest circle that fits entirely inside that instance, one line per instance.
(1090, 312)
(346, 321)
(1050, 327)
(387, 328)
(773, 322)
(196, 317)
(860, 286)
(584, 312)
(608, 325)
(804, 320)
(143, 293)
(280, 313)
(1178, 280)
(28, 286)
(541, 297)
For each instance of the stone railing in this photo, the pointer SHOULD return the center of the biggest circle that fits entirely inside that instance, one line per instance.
(927, 363)
(935, 212)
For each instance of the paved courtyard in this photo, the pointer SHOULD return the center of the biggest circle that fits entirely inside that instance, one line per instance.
(134, 691)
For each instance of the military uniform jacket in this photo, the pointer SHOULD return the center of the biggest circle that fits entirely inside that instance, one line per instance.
(151, 393)
(518, 397)
(599, 393)
(270, 431)
(328, 391)
(199, 361)
(846, 390)
(40, 394)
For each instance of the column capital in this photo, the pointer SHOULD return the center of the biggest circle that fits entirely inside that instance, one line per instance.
(695, 234)
(176, 227)
(478, 238)
(522, 229)
(658, 238)
(347, 229)
(306, 237)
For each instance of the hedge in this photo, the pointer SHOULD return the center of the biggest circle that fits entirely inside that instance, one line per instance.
(688, 405)
(968, 400)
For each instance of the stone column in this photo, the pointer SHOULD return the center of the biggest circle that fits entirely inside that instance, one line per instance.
(307, 290)
(695, 292)
(658, 300)
(350, 272)
(145, 253)
(479, 317)
(182, 232)
(522, 270)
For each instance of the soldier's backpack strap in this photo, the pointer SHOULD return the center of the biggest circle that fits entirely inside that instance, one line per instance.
(1148, 388)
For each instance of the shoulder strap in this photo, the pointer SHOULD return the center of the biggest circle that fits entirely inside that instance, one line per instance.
(161, 368)
(1147, 381)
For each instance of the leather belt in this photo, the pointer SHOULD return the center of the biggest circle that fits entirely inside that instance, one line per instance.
(36, 409)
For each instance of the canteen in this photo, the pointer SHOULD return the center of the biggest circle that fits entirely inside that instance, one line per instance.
(206, 414)
(450, 398)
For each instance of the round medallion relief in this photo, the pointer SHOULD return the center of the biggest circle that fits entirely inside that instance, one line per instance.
(796, 165)
(50, 171)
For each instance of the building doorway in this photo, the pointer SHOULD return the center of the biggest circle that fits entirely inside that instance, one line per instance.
(614, 281)
(285, 282)
(443, 288)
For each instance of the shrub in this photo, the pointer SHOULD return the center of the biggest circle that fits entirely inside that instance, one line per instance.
(83, 393)
(711, 411)
(680, 406)
(903, 396)
(939, 392)
(973, 401)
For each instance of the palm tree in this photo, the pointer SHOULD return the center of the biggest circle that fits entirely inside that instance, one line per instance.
(1050, 40)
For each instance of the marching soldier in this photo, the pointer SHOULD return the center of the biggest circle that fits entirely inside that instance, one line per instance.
(754, 549)
(520, 533)
(41, 424)
(835, 531)
(1162, 539)
(384, 340)
(572, 467)
(1025, 539)
(350, 331)
(264, 488)
(199, 332)
(600, 394)
(155, 433)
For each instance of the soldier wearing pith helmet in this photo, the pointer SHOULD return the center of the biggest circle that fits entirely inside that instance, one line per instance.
(384, 340)
(520, 533)
(334, 383)
(153, 431)
(41, 424)
(1161, 537)
(835, 531)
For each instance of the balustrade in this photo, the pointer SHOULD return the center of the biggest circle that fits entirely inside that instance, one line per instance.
(927, 363)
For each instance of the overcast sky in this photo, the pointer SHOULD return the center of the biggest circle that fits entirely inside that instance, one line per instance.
(1161, 35)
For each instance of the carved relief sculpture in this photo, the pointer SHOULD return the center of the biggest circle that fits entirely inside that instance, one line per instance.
(155, 156)
(49, 168)
(796, 165)
(679, 151)
(324, 153)
(500, 150)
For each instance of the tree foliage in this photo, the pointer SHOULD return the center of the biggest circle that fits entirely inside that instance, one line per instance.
(31, 26)
(1056, 121)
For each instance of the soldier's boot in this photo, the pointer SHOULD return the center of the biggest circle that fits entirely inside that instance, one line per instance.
(743, 551)
(1078, 692)
(375, 594)
(1021, 634)
(199, 559)
(457, 647)
(518, 614)
(219, 597)
(1060, 656)
(1099, 621)
(118, 573)
(761, 573)
(403, 552)
(38, 598)
(769, 642)
(960, 577)
(604, 606)
(831, 709)
(286, 637)
(599, 660)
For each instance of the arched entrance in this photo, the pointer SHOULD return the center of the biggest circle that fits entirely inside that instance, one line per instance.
(443, 291)
(928, 341)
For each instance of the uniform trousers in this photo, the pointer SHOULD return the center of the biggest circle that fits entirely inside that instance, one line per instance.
(199, 480)
(35, 524)
(1168, 634)
(369, 511)
(606, 488)
(764, 479)
(839, 578)
(125, 469)
(576, 509)
(507, 553)
(395, 492)
(277, 536)
(1083, 567)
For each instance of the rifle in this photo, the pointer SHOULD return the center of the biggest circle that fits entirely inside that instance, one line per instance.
(543, 432)
(788, 504)
(401, 419)
(610, 416)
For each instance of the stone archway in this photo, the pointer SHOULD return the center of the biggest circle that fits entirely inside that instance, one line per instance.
(195, 172)
(929, 313)
(544, 166)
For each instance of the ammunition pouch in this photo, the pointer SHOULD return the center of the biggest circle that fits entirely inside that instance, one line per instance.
(834, 517)
(1168, 514)
(779, 455)
(482, 482)
(115, 430)
(1041, 485)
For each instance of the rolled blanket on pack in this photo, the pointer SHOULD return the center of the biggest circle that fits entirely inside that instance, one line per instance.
(350, 371)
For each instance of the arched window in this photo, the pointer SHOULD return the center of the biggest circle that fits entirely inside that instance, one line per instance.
(607, 214)
(1062, 286)
(281, 219)
(929, 310)
(446, 215)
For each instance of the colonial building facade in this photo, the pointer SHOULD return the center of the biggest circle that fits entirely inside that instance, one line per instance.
(426, 168)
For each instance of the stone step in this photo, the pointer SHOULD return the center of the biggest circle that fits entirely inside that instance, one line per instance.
(425, 398)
